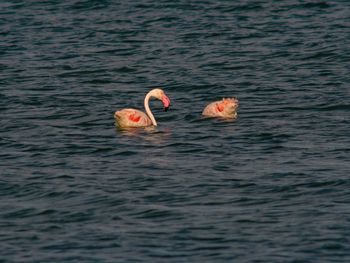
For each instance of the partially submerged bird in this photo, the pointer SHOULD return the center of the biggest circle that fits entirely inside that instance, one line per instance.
(129, 118)
(225, 108)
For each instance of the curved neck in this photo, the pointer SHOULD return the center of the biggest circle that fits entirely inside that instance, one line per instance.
(148, 111)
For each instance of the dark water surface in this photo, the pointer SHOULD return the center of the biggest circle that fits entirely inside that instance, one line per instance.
(272, 186)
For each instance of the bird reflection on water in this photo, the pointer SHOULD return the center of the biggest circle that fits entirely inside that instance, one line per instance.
(150, 134)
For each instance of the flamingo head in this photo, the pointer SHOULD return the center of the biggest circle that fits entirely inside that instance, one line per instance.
(166, 102)
(160, 94)
(230, 104)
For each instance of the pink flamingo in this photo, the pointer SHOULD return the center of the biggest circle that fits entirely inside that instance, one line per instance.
(129, 118)
(225, 108)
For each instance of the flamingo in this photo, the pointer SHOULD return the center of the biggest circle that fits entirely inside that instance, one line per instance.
(130, 118)
(225, 108)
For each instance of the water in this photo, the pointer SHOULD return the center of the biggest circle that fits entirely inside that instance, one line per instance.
(272, 186)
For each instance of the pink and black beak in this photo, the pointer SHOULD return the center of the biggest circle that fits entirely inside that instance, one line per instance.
(166, 102)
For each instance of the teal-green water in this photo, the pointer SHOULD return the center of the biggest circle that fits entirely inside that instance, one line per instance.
(272, 186)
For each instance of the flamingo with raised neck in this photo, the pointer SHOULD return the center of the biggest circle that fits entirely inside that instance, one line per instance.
(130, 118)
(225, 108)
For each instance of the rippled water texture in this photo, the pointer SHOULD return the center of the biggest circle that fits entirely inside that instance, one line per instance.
(271, 186)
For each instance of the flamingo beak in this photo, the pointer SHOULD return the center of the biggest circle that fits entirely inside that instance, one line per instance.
(166, 102)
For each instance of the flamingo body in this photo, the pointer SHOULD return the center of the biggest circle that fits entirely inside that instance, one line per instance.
(132, 118)
(225, 108)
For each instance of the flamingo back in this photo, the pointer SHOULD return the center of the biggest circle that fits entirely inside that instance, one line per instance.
(131, 118)
(226, 108)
